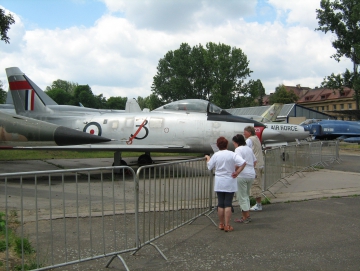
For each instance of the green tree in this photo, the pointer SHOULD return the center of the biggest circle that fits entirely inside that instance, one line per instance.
(59, 95)
(283, 96)
(2, 93)
(84, 95)
(260, 91)
(339, 81)
(101, 102)
(342, 17)
(229, 68)
(116, 103)
(143, 102)
(173, 79)
(5, 22)
(153, 102)
(66, 86)
(247, 96)
(215, 73)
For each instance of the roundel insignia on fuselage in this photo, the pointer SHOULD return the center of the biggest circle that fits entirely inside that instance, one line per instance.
(93, 128)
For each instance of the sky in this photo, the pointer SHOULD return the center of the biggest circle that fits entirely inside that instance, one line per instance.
(114, 46)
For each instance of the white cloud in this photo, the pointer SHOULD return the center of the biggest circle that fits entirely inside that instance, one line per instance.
(179, 16)
(119, 54)
(298, 12)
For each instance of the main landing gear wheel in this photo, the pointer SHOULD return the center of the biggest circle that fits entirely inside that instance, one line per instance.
(126, 170)
(145, 159)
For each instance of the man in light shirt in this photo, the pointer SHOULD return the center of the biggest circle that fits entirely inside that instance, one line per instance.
(254, 143)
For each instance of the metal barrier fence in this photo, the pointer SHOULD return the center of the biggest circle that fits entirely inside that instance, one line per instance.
(68, 216)
(171, 195)
(330, 152)
(284, 162)
(73, 216)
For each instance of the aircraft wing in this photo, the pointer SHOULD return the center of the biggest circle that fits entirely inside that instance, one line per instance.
(108, 147)
(352, 140)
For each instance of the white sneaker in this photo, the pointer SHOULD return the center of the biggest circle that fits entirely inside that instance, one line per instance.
(256, 207)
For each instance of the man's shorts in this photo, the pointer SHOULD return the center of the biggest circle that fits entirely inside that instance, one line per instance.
(256, 188)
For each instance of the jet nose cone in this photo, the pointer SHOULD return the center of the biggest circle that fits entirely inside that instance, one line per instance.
(270, 134)
(65, 136)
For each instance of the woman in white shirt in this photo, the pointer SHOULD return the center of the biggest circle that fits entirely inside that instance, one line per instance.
(225, 163)
(245, 178)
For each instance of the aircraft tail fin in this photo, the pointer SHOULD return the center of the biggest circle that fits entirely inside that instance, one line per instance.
(9, 99)
(132, 106)
(25, 93)
(272, 112)
(43, 96)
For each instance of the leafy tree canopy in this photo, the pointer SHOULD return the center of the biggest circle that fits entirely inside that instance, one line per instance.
(66, 86)
(116, 103)
(215, 73)
(84, 95)
(143, 102)
(342, 17)
(153, 102)
(64, 92)
(5, 22)
(59, 95)
(251, 94)
(339, 81)
(283, 96)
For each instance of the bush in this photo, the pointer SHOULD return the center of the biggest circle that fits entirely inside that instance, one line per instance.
(26, 245)
(2, 245)
(2, 222)
(263, 202)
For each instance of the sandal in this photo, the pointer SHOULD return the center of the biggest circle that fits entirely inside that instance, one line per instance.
(228, 228)
(242, 220)
(221, 226)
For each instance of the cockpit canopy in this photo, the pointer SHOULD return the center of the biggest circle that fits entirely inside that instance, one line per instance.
(192, 105)
(309, 121)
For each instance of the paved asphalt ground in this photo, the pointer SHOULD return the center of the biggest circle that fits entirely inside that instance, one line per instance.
(312, 224)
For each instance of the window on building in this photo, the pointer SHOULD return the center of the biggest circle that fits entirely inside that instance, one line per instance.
(350, 106)
(323, 97)
(322, 108)
(342, 106)
(344, 93)
(334, 107)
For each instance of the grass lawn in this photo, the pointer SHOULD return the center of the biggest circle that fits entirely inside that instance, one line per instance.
(8, 155)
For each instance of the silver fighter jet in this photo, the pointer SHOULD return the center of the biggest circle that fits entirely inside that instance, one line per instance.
(187, 126)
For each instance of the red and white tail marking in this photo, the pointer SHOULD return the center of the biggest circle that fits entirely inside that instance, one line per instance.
(29, 93)
(29, 99)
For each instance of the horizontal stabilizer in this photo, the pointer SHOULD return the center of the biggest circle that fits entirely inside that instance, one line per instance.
(15, 129)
